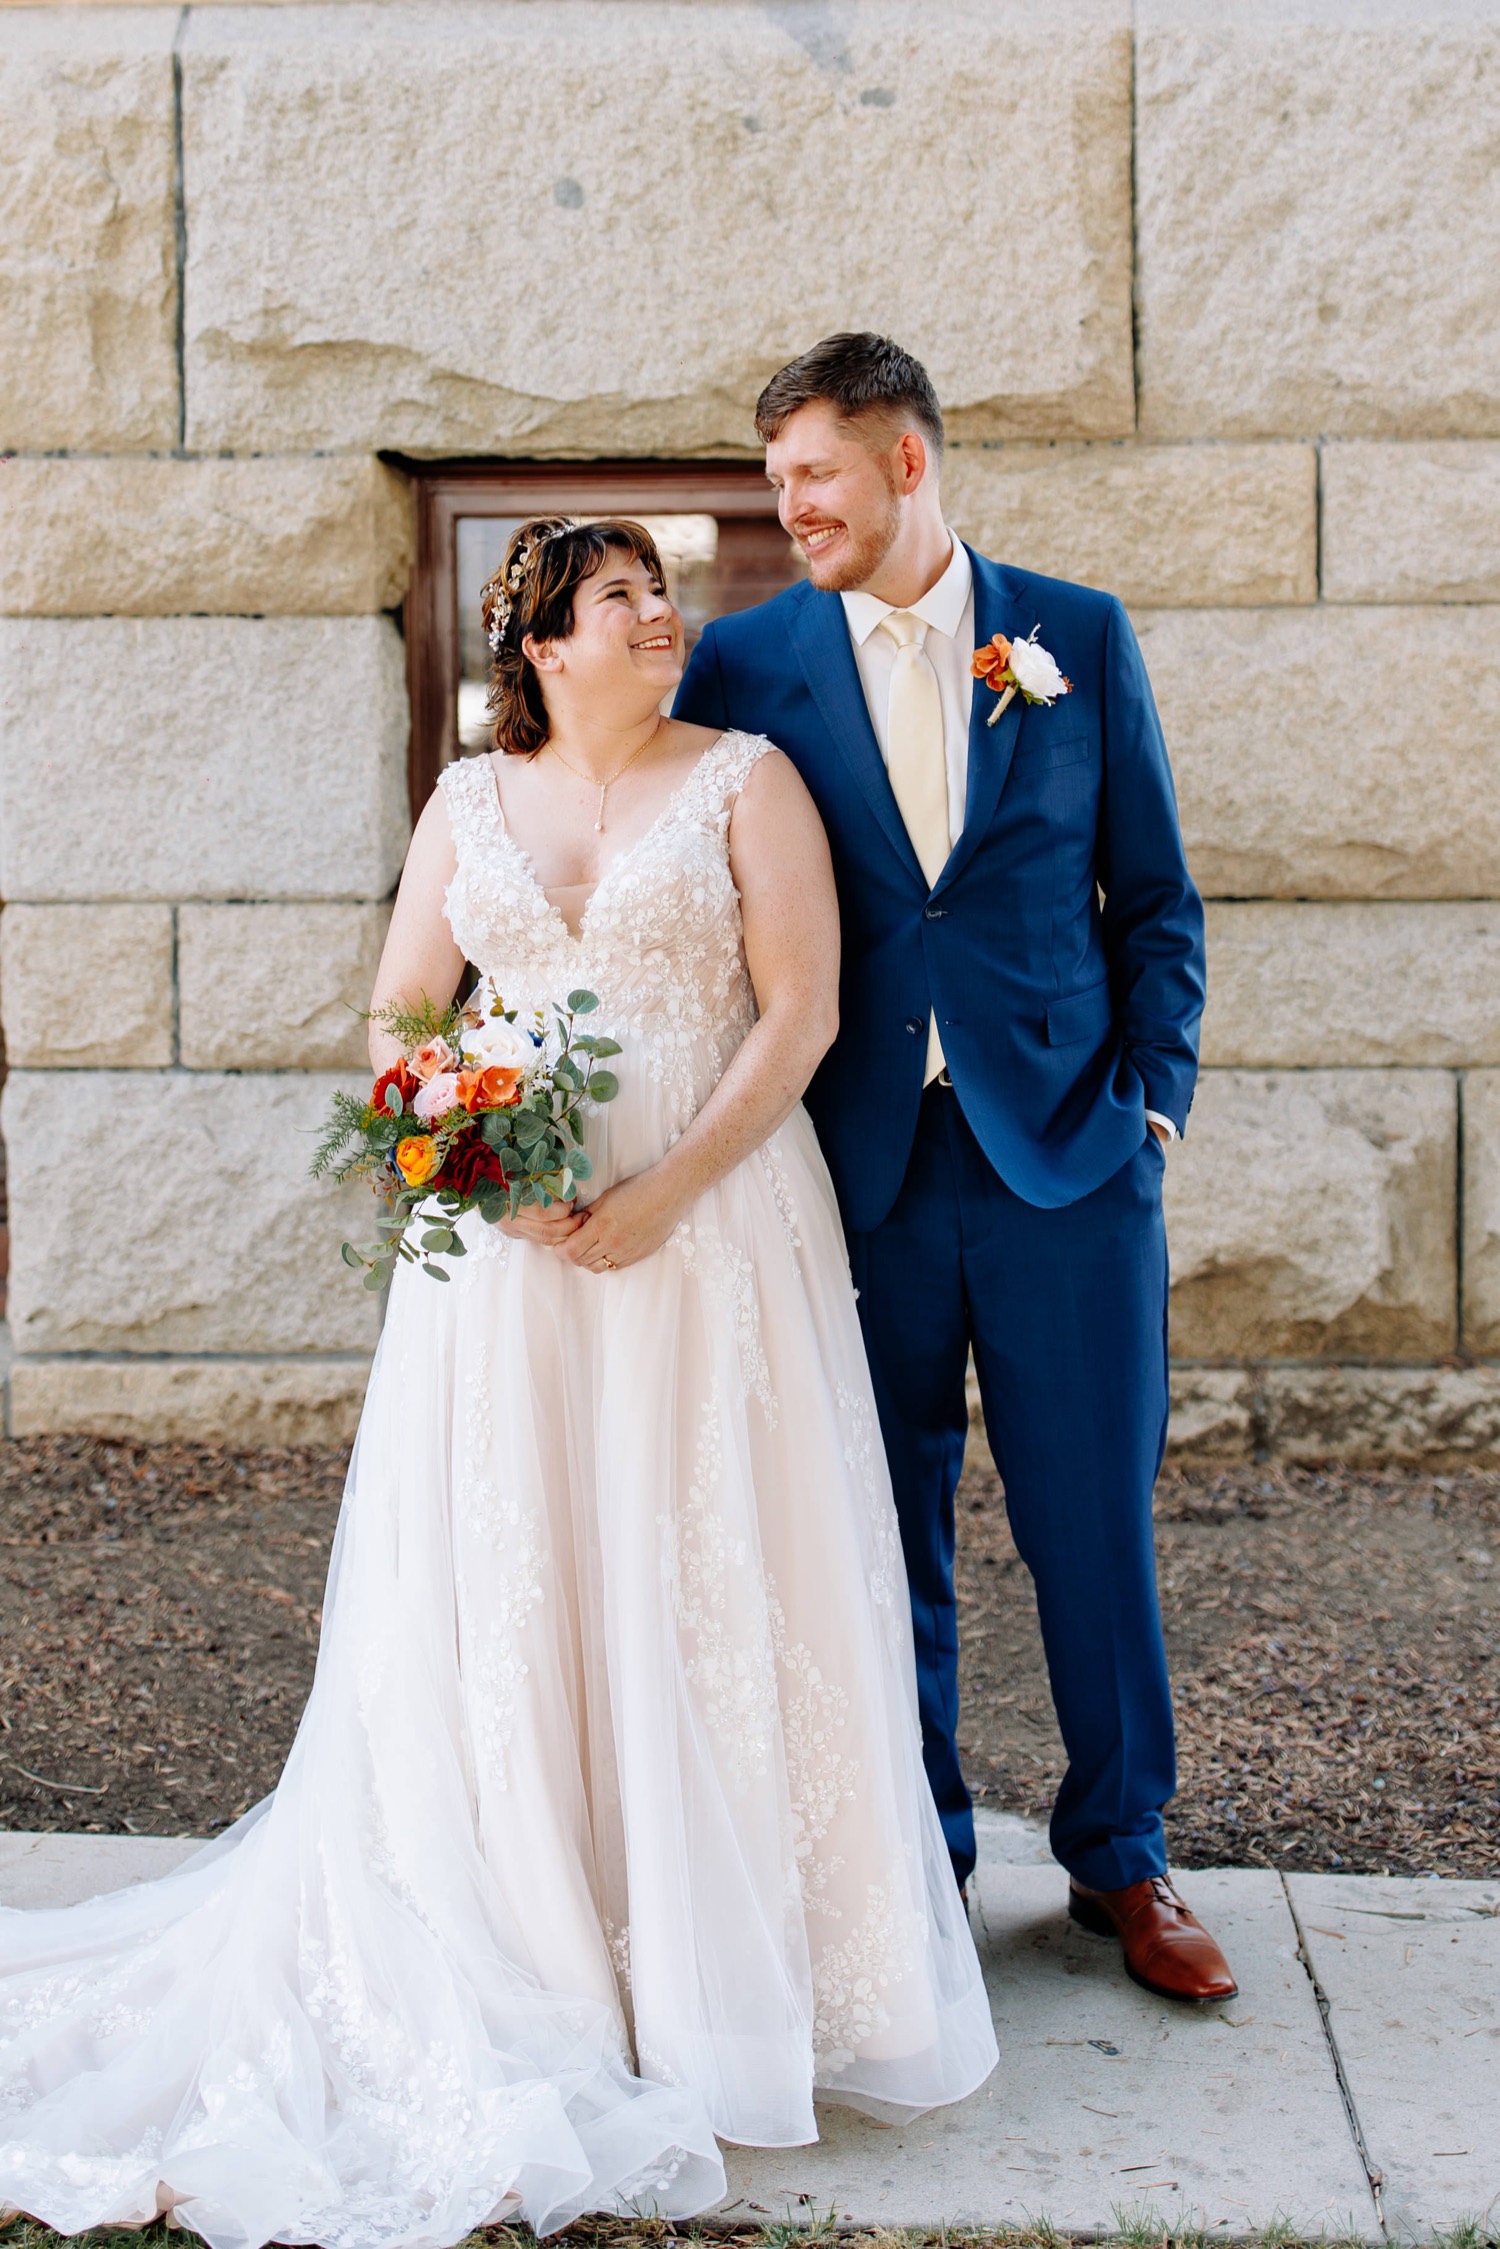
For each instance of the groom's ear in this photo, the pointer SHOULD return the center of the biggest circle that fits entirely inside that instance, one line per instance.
(913, 461)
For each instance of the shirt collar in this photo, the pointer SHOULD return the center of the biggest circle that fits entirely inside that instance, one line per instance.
(941, 607)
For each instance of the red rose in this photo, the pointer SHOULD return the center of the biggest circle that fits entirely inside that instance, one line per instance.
(468, 1161)
(401, 1078)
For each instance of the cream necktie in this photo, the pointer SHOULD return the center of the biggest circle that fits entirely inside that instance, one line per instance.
(918, 765)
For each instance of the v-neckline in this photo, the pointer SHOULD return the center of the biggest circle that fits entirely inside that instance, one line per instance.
(527, 864)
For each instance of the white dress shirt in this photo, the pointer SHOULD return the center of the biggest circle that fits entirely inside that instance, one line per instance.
(947, 610)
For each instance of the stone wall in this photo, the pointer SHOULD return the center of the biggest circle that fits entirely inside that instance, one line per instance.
(1211, 299)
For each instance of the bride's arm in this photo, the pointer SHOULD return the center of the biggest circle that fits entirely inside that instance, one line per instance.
(420, 958)
(779, 857)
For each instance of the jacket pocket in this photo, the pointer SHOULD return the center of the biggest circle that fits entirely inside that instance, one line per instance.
(1086, 1015)
(1040, 745)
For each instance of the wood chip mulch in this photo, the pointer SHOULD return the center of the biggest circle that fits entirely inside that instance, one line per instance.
(1334, 1637)
(1334, 1641)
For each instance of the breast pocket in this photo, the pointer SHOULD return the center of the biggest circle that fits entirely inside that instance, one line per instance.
(1042, 748)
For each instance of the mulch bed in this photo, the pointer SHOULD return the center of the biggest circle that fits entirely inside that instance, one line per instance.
(1335, 1644)
(1335, 1648)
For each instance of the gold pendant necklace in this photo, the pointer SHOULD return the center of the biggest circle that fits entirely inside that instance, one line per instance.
(604, 787)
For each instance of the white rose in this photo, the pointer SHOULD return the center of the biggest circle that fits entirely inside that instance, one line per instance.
(1036, 672)
(493, 1043)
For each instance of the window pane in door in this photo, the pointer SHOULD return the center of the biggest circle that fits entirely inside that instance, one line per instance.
(714, 564)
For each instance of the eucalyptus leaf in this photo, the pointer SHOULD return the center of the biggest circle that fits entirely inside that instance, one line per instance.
(434, 1272)
(376, 1277)
(580, 1165)
(583, 1003)
(437, 1241)
(602, 1047)
(394, 1102)
(458, 1247)
(603, 1085)
(350, 1255)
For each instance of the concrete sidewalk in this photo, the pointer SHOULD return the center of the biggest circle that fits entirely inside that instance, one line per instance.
(1353, 2087)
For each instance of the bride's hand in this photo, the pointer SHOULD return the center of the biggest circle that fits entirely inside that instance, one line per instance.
(626, 1223)
(549, 1228)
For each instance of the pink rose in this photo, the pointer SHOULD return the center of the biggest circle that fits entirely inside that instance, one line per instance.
(437, 1097)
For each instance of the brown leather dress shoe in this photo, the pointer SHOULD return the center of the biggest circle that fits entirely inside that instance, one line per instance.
(1167, 1949)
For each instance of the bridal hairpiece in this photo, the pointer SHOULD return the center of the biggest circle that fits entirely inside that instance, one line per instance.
(506, 589)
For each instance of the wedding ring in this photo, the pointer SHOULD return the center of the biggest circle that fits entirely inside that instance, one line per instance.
(610, 1266)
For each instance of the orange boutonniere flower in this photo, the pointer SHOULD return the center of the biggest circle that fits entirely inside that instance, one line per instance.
(1019, 667)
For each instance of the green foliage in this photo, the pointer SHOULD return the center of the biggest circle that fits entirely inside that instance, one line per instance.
(412, 1023)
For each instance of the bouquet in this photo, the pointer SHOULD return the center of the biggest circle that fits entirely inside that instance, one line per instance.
(481, 1113)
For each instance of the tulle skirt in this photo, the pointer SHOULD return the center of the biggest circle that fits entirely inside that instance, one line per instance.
(605, 1833)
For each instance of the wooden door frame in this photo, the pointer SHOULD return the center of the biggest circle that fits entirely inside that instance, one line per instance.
(446, 490)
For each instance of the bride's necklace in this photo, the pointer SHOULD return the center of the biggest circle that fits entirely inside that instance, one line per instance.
(604, 787)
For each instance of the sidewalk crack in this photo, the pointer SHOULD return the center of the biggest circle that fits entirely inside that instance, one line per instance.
(1374, 2177)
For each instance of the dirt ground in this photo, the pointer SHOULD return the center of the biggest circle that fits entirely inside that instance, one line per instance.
(1335, 1647)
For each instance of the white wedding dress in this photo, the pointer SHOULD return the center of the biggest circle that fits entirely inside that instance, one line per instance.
(605, 1830)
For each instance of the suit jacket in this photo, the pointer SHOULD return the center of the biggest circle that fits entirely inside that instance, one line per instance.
(1061, 946)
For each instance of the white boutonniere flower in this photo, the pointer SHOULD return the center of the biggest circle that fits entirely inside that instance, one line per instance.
(1019, 667)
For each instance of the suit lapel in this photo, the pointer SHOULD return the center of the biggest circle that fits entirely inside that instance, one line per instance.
(820, 636)
(991, 748)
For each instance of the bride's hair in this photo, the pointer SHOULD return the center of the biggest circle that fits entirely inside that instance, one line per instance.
(546, 561)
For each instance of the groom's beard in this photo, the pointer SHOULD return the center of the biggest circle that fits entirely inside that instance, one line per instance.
(860, 558)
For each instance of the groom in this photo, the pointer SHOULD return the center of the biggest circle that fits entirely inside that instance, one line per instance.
(1022, 985)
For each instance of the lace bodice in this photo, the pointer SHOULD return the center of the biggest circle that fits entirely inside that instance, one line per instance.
(661, 941)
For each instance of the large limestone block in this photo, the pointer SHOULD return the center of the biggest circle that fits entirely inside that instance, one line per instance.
(599, 226)
(277, 987)
(1302, 986)
(1411, 522)
(1312, 1214)
(1379, 1417)
(1481, 1099)
(1170, 526)
(207, 757)
(87, 987)
(187, 1221)
(292, 1401)
(87, 228)
(1312, 763)
(1213, 1416)
(1319, 234)
(137, 537)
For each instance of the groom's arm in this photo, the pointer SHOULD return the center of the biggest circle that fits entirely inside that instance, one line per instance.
(700, 695)
(1153, 916)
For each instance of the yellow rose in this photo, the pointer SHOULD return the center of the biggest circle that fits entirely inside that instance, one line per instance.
(417, 1158)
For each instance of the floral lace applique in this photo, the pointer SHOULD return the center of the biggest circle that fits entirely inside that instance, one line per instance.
(851, 1979)
(781, 1188)
(491, 1628)
(887, 1567)
(734, 1671)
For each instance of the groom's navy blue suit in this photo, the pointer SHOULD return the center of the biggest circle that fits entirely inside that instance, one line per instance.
(1019, 1212)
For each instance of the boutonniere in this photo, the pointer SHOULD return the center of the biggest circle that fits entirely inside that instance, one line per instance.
(1019, 666)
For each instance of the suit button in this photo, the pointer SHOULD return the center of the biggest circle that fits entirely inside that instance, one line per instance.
(934, 913)
(915, 1027)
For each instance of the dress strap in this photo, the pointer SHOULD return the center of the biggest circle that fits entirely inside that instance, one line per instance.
(728, 766)
(473, 801)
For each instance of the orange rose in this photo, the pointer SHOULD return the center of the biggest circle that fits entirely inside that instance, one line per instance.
(494, 1088)
(992, 662)
(417, 1158)
(431, 1060)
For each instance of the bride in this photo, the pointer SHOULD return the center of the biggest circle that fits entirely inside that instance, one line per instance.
(605, 1834)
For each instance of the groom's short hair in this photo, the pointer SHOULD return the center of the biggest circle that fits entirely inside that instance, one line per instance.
(862, 377)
